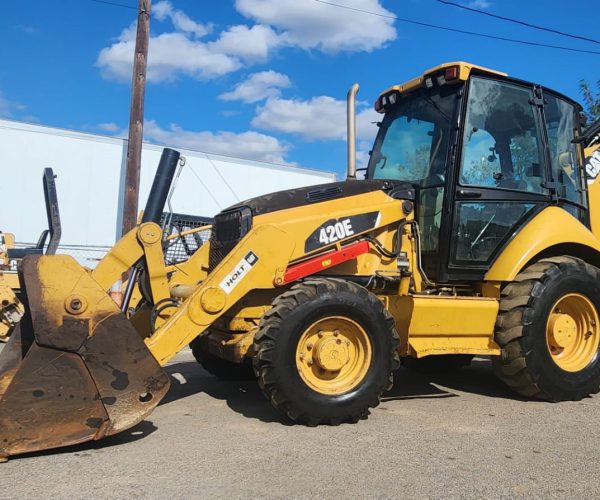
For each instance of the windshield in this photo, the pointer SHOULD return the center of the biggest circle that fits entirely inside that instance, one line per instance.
(413, 139)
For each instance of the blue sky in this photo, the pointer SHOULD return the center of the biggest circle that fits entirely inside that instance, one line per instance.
(263, 79)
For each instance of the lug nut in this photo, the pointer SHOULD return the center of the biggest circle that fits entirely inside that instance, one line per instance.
(309, 346)
(336, 333)
(320, 334)
(338, 341)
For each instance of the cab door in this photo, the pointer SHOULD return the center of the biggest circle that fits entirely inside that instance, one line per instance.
(566, 165)
(501, 179)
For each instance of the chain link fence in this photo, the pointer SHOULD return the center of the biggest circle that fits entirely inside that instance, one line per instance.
(182, 235)
(86, 255)
(181, 240)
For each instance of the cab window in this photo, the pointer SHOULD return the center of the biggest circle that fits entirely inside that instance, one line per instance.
(560, 120)
(407, 149)
(501, 143)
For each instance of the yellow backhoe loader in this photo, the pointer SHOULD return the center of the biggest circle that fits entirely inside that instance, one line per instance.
(11, 308)
(473, 232)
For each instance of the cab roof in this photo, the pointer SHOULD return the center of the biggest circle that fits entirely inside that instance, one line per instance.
(464, 70)
(460, 71)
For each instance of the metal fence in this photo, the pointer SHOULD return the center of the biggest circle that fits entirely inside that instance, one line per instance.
(180, 241)
(86, 255)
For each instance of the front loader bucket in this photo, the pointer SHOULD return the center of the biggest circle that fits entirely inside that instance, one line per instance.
(75, 369)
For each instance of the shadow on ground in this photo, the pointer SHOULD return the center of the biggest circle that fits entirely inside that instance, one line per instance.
(246, 398)
(478, 378)
(141, 430)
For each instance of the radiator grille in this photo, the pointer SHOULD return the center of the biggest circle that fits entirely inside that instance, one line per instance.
(228, 229)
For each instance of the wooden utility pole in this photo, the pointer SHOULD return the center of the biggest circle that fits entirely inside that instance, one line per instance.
(136, 117)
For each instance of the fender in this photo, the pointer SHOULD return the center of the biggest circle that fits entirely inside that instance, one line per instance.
(552, 226)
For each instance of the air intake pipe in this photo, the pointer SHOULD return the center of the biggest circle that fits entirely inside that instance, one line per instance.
(161, 186)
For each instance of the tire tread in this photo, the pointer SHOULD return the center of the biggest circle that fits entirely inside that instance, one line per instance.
(264, 340)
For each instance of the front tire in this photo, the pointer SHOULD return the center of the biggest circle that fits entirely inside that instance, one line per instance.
(549, 330)
(326, 352)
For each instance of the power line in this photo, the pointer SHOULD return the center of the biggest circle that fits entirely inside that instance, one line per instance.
(517, 21)
(456, 30)
(115, 4)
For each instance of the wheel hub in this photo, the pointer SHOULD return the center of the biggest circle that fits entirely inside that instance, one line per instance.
(562, 330)
(573, 332)
(331, 353)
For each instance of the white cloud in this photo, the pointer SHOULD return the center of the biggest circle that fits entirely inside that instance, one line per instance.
(249, 44)
(169, 56)
(109, 127)
(478, 4)
(181, 21)
(279, 23)
(172, 53)
(178, 52)
(30, 119)
(309, 24)
(15, 110)
(250, 145)
(257, 87)
(320, 118)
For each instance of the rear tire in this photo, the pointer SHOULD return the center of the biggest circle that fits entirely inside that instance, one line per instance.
(326, 352)
(437, 364)
(549, 331)
(219, 367)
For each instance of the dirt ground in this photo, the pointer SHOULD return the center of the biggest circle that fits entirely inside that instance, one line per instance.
(456, 436)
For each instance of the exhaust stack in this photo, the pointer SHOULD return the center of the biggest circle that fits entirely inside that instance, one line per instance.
(351, 128)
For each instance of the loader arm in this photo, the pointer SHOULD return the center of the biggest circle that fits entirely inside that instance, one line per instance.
(84, 367)
(142, 242)
(254, 264)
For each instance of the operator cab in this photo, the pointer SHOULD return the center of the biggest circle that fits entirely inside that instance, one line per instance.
(485, 154)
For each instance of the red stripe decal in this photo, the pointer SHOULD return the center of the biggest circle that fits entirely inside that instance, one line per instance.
(325, 261)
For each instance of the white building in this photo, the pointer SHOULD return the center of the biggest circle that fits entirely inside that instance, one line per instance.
(90, 173)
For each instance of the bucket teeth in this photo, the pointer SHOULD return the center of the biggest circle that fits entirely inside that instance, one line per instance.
(75, 369)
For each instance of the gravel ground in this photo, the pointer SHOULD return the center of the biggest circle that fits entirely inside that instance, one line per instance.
(456, 436)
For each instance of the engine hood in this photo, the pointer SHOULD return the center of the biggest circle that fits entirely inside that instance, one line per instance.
(290, 198)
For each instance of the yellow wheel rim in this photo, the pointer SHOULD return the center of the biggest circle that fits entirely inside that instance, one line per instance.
(333, 355)
(573, 332)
